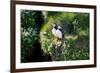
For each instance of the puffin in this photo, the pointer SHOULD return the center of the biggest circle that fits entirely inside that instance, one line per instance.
(57, 31)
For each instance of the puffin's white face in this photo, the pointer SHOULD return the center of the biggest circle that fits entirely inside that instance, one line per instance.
(59, 27)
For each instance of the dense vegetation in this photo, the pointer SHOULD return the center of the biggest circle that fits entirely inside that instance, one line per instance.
(38, 43)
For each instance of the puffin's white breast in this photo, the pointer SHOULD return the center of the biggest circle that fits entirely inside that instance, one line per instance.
(54, 31)
(58, 33)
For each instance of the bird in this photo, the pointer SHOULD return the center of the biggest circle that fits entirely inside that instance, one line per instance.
(57, 31)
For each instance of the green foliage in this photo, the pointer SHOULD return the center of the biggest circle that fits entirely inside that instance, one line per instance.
(72, 52)
(26, 19)
(75, 46)
(28, 33)
(36, 26)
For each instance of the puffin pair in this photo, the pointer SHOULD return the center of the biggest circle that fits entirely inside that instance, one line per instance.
(57, 31)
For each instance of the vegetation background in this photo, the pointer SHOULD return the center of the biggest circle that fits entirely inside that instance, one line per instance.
(38, 44)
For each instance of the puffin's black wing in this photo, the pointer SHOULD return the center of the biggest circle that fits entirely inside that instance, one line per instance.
(62, 33)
